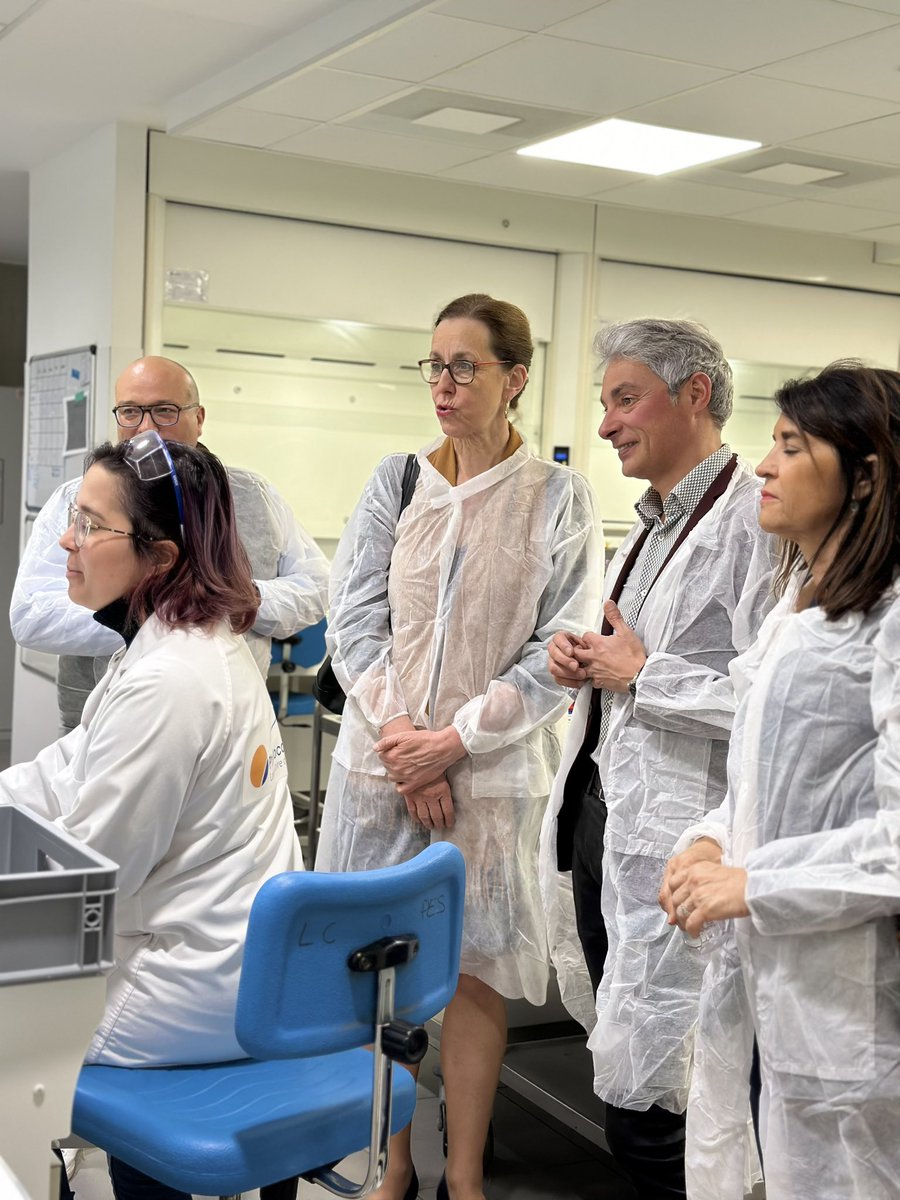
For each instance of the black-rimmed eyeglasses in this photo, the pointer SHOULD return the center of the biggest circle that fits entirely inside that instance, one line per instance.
(462, 370)
(129, 416)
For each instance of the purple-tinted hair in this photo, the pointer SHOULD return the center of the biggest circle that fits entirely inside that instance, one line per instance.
(211, 580)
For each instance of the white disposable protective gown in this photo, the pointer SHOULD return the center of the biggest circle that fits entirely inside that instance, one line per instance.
(663, 767)
(813, 815)
(289, 569)
(177, 774)
(481, 576)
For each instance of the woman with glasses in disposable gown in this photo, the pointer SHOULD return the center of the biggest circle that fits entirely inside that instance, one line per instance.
(438, 628)
(803, 858)
(176, 771)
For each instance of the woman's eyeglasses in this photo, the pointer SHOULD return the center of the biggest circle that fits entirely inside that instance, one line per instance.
(462, 370)
(81, 525)
(148, 456)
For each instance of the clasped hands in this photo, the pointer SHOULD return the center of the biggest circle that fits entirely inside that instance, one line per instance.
(416, 761)
(698, 889)
(607, 661)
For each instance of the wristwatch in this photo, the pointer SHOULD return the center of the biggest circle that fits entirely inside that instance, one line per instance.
(632, 683)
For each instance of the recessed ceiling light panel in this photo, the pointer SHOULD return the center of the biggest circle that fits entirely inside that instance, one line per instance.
(465, 120)
(630, 146)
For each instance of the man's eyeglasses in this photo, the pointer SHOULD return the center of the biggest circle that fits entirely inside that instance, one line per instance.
(462, 370)
(81, 525)
(148, 456)
(129, 416)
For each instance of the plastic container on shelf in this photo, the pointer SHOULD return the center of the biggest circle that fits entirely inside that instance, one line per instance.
(57, 901)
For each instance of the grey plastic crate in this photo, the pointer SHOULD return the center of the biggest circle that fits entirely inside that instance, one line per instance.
(56, 902)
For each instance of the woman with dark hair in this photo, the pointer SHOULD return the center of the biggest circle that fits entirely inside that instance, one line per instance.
(176, 772)
(803, 859)
(438, 628)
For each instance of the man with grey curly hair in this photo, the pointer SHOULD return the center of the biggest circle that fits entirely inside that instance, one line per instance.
(647, 743)
(673, 350)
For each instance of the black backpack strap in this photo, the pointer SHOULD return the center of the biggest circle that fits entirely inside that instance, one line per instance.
(410, 476)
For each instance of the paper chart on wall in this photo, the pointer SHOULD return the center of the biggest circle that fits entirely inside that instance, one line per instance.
(58, 414)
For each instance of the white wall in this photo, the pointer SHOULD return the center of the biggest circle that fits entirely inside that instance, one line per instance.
(10, 493)
(295, 268)
(757, 321)
(86, 252)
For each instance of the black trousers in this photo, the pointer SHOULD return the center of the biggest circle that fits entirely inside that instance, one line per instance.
(649, 1146)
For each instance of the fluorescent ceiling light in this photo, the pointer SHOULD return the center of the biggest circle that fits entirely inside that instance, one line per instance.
(466, 120)
(792, 173)
(631, 146)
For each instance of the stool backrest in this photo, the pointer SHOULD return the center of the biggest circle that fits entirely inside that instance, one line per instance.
(310, 648)
(298, 996)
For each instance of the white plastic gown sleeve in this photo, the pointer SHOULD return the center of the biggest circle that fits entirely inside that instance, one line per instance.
(837, 878)
(295, 595)
(359, 625)
(518, 700)
(42, 617)
(813, 776)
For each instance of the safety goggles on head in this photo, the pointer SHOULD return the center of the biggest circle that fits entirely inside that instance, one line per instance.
(148, 456)
(129, 416)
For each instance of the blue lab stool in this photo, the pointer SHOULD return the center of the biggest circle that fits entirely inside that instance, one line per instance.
(306, 648)
(333, 963)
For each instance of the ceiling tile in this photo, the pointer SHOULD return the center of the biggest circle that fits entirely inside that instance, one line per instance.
(280, 15)
(322, 94)
(874, 141)
(415, 50)
(884, 233)
(565, 74)
(530, 122)
(244, 127)
(865, 66)
(792, 173)
(766, 110)
(890, 6)
(674, 195)
(721, 33)
(341, 143)
(11, 9)
(114, 75)
(836, 189)
(881, 193)
(513, 171)
(529, 15)
(816, 217)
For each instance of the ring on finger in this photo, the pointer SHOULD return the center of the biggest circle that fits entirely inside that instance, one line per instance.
(683, 911)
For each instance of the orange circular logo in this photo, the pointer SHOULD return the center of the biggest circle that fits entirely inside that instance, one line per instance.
(259, 766)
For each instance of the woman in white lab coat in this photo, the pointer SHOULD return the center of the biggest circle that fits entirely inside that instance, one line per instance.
(802, 861)
(176, 771)
(438, 628)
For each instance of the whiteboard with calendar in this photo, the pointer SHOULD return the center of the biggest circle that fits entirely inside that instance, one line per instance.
(58, 415)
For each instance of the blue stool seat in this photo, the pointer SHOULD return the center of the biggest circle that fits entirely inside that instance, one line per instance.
(227, 1128)
(332, 963)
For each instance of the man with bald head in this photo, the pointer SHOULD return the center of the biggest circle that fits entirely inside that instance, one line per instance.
(289, 570)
